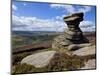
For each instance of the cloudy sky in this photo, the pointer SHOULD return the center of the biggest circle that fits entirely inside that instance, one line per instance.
(32, 16)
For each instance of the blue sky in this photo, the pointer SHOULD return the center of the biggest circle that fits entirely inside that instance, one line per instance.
(33, 16)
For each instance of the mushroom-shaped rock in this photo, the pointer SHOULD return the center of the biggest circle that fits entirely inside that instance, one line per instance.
(72, 35)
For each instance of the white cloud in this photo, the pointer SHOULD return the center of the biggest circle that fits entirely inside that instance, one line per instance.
(68, 8)
(60, 17)
(87, 26)
(71, 9)
(85, 9)
(33, 23)
(14, 7)
(36, 24)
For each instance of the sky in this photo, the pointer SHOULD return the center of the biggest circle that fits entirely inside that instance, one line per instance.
(35, 16)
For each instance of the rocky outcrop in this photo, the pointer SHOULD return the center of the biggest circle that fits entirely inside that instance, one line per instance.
(82, 58)
(75, 43)
(72, 35)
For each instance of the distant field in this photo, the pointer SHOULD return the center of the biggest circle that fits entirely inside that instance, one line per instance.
(28, 40)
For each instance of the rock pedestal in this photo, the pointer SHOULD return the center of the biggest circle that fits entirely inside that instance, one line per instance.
(72, 35)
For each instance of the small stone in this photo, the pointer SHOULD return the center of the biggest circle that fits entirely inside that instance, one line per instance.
(90, 64)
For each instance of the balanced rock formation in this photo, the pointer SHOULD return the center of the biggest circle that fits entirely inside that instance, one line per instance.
(75, 43)
(72, 35)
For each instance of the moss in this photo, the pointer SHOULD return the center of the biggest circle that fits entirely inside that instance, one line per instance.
(23, 68)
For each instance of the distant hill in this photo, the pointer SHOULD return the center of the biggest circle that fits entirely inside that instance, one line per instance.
(31, 33)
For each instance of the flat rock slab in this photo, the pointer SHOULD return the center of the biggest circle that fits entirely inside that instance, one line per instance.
(85, 51)
(40, 59)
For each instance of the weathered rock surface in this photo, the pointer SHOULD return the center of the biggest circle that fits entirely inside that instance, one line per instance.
(40, 59)
(85, 51)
